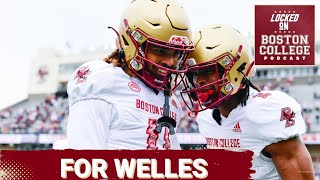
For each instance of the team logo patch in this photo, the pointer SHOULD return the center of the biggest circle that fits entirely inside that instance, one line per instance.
(134, 86)
(179, 40)
(288, 115)
(237, 128)
(82, 74)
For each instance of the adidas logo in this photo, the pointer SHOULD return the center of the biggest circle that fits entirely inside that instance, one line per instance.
(237, 128)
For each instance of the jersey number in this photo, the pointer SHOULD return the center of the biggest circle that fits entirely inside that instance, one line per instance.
(153, 136)
(288, 115)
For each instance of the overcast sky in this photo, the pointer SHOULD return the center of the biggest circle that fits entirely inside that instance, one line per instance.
(27, 25)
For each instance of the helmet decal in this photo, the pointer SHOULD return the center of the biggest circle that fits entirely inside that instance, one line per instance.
(179, 40)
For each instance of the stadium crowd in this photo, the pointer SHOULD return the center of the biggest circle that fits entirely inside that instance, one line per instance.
(50, 115)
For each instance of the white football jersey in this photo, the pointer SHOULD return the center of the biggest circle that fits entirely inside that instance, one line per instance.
(111, 110)
(268, 117)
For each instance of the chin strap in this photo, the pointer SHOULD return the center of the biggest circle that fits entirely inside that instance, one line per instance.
(166, 120)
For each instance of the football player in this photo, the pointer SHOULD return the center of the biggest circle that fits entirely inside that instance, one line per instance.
(233, 114)
(126, 101)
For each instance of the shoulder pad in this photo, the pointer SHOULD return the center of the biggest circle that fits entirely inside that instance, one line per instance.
(276, 115)
(90, 80)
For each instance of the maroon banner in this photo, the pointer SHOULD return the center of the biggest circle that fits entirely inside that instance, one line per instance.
(125, 164)
(284, 34)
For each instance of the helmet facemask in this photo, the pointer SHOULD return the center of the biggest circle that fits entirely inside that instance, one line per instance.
(229, 55)
(158, 75)
(214, 92)
(163, 24)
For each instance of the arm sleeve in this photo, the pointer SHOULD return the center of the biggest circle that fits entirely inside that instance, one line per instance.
(89, 124)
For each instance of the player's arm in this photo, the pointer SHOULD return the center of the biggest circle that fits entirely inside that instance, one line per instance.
(292, 159)
(90, 112)
(88, 124)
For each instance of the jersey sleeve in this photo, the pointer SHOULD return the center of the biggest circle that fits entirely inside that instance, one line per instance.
(88, 124)
(90, 111)
(276, 116)
(92, 80)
